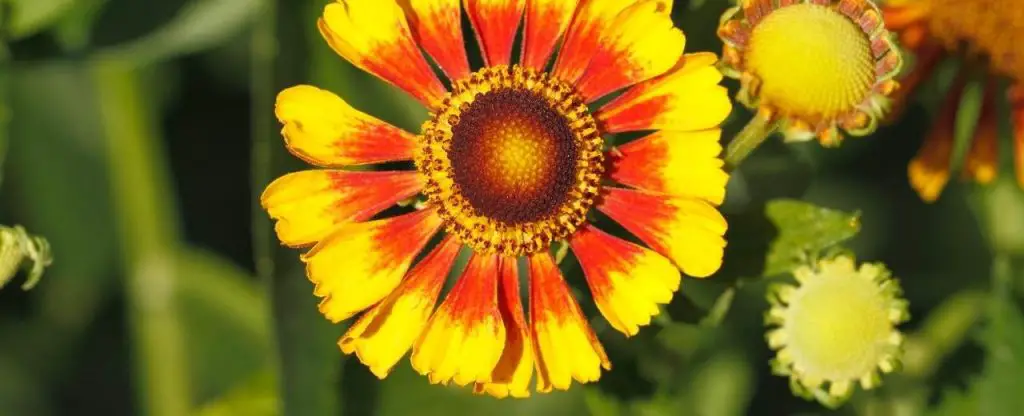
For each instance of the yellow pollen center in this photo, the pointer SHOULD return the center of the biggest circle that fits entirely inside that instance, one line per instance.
(994, 28)
(518, 157)
(811, 61)
(838, 326)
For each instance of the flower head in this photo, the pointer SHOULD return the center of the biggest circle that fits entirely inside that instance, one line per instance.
(836, 327)
(984, 34)
(814, 66)
(511, 161)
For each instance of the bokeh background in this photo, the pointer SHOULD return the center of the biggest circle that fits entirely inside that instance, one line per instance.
(135, 135)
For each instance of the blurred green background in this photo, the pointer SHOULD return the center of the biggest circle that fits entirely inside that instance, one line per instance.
(135, 136)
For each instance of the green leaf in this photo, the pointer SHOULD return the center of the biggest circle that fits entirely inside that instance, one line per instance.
(723, 386)
(805, 230)
(956, 402)
(601, 404)
(201, 24)
(28, 17)
(228, 322)
(720, 308)
(74, 29)
(256, 397)
(999, 390)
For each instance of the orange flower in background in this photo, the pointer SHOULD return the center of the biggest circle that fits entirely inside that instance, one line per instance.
(811, 66)
(986, 35)
(511, 162)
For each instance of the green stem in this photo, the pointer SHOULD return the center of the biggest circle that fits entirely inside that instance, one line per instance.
(263, 49)
(5, 70)
(148, 232)
(944, 329)
(748, 139)
(308, 359)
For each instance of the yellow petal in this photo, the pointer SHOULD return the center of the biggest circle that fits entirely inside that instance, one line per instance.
(324, 130)
(628, 281)
(982, 161)
(687, 98)
(511, 377)
(437, 25)
(361, 263)
(641, 43)
(374, 36)
(545, 22)
(382, 336)
(589, 23)
(310, 204)
(567, 348)
(929, 169)
(674, 163)
(688, 231)
(495, 23)
(465, 338)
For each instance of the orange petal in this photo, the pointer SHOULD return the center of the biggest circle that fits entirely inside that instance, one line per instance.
(588, 25)
(1017, 118)
(982, 160)
(545, 22)
(628, 281)
(686, 230)
(310, 204)
(674, 163)
(361, 263)
(324, 130)
(901, 15)
(641, 43)
(384, 333)
(437, 26)
(374, 36)
(511, 377)
(929, 169)
(495, 22)
(465, 338)
(567, 348)
(686, 98)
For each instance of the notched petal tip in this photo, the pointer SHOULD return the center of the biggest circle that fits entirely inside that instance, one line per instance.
(465, 338)
(641, 43)
(361, 263)
(309, 205)
(687, 98)
(628, 282)
(322, 129)
(375, 36)
(688, 231)
(386, 332)
(566, 347)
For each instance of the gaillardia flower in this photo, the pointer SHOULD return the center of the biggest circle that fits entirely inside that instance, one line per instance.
(512, 161)
(988, 36)
(811, 66)
(836, 327)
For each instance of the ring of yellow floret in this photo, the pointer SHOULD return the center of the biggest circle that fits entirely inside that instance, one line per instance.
(490, 235)
(790, 307)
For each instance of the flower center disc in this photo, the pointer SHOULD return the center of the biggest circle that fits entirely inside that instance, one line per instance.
(513, 160)
(815, 50)
(513, 156)
(838, 325)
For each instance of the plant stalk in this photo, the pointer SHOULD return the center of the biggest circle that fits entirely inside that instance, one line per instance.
(748, 139)
(148, 233)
